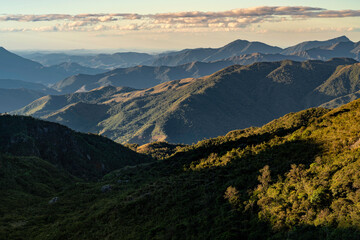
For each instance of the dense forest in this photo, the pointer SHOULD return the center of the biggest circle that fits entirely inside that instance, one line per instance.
(294, 178)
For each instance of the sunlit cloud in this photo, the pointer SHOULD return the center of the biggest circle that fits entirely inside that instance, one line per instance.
(321, 29)
(177, 21)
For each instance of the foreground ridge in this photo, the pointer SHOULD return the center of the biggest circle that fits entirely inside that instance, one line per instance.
(295, 176)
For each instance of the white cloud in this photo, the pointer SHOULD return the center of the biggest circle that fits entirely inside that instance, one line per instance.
(214, 21)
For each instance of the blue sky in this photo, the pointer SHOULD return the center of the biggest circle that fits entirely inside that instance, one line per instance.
(159, 24)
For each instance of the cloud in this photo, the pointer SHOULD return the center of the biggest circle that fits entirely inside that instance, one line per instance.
(222, 20)
(320, 29)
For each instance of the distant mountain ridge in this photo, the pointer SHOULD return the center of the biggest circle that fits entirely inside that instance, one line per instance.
(101, 61)
(140, 77)
(240, 47)
(15, 84)
(235, 48)
(340, 49)
(13, 66)
(313, 44)
(204, 61)
(188, 110)
(174, 58)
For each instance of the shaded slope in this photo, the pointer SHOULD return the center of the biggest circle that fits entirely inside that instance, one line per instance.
(15, 94)
(337, 102)
(25, 184)
(12, 99)
(83, 155)
(344, 81)
(16, 84)
(247, 59)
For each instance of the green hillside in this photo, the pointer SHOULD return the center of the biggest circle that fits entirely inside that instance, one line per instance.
(83, 155)
(345, 80)
(189, 110)
(294, 178)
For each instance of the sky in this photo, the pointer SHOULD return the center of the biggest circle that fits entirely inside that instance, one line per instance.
(155, 25)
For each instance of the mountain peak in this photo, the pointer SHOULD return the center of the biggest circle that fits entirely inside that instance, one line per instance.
(314, 44)
(3, 50)
(342, 38)
(237, 42)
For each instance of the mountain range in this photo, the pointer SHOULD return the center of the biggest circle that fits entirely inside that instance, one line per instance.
(148, 76)
(340, 49)
(188, 110)
(235, 48)
(322, 50)
(313, 44)
(242, 52)
(101, 61)
(13, 66)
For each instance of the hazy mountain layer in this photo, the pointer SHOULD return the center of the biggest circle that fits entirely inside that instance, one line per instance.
(341, 49)
(235, 48)
(305, 50)
(13, 66)
(12, 99)
(14, 84)
(313, 44)
(102, 61)
(323, 50)
(146, 76)
(15, 94)
(188, 110)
